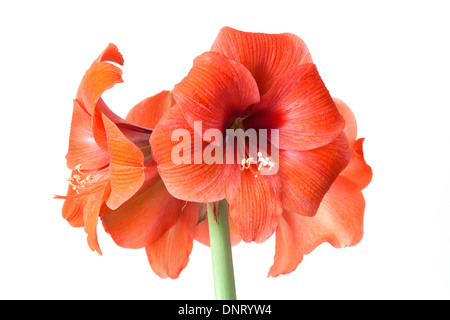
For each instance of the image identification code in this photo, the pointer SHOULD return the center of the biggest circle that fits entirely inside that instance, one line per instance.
(250, 309)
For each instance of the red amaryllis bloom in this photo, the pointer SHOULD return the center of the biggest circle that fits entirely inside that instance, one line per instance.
(339, 219)
(107, 154)
(255, 81)
(115, 178)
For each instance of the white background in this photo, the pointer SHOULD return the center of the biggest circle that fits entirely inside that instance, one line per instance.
(389, 60)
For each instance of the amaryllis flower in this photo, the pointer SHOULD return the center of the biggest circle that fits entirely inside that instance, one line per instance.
(107, 154)
(254, 81)
(114, 176)
(339, 219)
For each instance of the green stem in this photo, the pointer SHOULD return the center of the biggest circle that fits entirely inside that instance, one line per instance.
(222, 262)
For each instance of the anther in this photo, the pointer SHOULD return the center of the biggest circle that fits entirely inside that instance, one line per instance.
(263, 162)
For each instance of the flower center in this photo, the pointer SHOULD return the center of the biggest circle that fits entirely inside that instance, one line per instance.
(256, 166)
(237, 124)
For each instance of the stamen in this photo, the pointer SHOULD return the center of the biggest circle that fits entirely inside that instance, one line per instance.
(263, 162)
(78, 181)
(242, 164)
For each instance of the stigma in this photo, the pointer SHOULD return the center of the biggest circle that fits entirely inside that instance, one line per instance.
(260, 164)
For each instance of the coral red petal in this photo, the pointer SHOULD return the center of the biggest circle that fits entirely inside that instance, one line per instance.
(145, 217)
(73, 207)
(254, 204)
(300, 106)
(183, 177)
(149, 111)
(112, 54)
(127, 165)
(215, 91)
(307, 175)
(266, 55)
(350, 129)
(82, 146)
(169, 255)
(358, 171)
(338, 221)
(99, 77)
(91, 212)
(288, 246)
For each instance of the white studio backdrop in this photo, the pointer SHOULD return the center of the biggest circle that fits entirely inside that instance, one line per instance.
(389, 61)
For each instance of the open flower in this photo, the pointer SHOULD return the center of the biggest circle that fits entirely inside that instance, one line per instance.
(115, 178)
(339, 219)
(107, 154)
(254, 81)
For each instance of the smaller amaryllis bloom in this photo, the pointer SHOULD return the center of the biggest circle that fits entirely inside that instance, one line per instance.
(107, 154)
(115, 178)
(153, 219)
(254, 82)
(339, 219)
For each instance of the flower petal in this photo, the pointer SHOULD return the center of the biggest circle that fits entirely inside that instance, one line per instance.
(358, 171)
(98, 78)
(149, 111)
(127, 165)
(288, 245)
(190, 181)
(112, 54)
(215, 91)
(266, 55)
(169, 255)
(300, 106)
(82, 146)
(307, 175)
(350, 128)
(146, 216)
(91, 212)
(73, 207)
(254, 205)
(338, 221)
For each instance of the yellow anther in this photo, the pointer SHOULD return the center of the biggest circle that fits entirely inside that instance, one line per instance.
(260, 166)
(69, 179)
(89, 177)
(77, 176)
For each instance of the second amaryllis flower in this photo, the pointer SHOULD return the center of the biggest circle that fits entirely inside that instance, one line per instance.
(114, 177)
(107, 154)
(255, 81)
